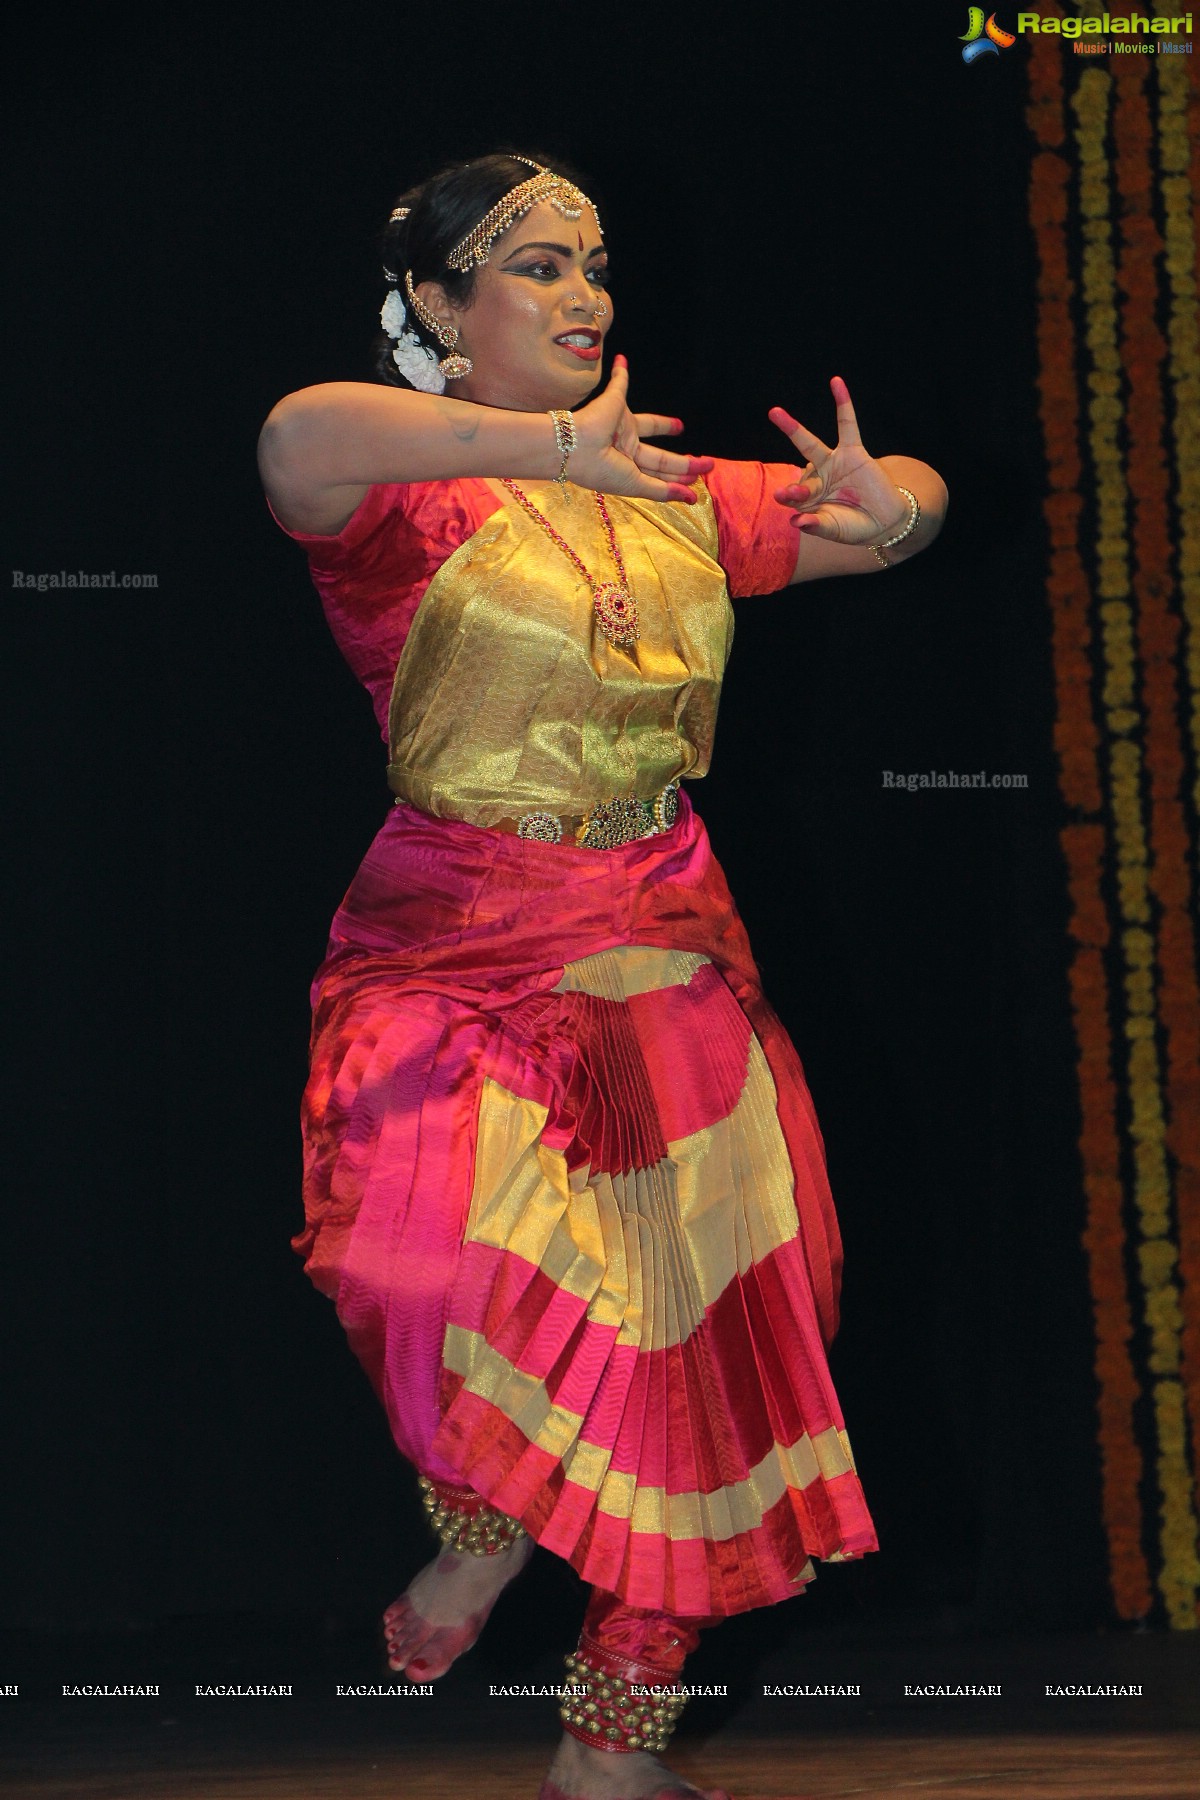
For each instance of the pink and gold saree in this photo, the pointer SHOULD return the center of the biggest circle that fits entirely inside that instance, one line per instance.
(562, 1175)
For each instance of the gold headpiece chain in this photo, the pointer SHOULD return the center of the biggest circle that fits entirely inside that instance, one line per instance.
(563, 195)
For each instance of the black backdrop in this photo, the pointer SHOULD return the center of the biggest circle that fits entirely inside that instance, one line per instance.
(788, 194)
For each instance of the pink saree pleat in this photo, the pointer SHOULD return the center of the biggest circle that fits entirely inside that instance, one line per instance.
(574, 1213)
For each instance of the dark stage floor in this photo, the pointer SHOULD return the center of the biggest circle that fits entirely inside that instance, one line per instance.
(465, 1740)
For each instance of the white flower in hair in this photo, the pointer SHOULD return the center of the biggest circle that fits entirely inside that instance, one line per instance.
(415, 362)
(418, 364)
(393, 315)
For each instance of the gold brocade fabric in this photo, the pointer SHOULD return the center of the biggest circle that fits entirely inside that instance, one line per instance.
(508, 698)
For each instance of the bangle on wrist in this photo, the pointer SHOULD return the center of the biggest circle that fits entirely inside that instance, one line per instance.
(914, 516)
(564, 438)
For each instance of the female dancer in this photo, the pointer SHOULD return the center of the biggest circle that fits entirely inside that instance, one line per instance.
(562, 1174)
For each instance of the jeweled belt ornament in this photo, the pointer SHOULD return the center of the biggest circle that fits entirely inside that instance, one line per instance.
(615, 607)
(610, 823)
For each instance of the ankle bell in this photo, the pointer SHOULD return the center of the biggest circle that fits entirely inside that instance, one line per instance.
(620, 1705)
(464, 1522)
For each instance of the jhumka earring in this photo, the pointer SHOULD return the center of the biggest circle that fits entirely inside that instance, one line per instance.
(452, 367)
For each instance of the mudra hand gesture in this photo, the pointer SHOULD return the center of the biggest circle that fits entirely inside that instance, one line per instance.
(610, 455)
(844, 494)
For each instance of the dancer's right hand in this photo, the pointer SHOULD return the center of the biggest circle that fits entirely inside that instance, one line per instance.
(610, 454)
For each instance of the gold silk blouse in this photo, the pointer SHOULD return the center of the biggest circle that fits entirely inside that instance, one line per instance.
(508, 698)
(476, 635)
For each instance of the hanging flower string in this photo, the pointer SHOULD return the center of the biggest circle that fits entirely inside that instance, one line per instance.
(1178, 109)
(1179, 162)
(1135, 955)
(1084, 844)
(1156, 979)
(1176, 1293)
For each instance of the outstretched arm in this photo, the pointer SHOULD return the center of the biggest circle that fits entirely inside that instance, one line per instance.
(847, 500)
(323, 447)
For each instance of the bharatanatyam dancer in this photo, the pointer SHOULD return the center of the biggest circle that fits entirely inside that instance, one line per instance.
(562, 1174)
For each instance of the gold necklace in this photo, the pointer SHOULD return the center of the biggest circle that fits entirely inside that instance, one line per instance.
(615, 606)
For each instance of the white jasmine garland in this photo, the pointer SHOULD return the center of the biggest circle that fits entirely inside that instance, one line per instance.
(418, 364)
(415, 361)
(393, 315)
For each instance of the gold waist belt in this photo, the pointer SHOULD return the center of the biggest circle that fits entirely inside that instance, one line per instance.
(606, 825)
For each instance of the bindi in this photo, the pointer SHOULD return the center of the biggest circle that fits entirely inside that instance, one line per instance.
(579, 235)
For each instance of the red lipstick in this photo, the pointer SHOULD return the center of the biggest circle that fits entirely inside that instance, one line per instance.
(586, 352)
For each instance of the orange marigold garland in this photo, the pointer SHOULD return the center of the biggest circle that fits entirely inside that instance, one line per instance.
(1178, 1575)
(1077, 745)
(1104, 1236)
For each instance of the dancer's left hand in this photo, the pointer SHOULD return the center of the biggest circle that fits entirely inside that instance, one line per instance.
(843, 494)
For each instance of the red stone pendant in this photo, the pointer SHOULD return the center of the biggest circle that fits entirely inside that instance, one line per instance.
(616, 613)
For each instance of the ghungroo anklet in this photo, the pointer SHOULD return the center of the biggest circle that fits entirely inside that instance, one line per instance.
(628, 1706)
(465, 1522)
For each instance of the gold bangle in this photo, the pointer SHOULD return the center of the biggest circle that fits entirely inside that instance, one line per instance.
(914, 517)
(564, 438)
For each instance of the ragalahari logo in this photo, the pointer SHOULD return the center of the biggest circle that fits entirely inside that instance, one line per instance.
(984, 38)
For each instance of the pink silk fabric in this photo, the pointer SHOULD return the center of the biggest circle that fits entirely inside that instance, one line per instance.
(446, 933)
(449, 910)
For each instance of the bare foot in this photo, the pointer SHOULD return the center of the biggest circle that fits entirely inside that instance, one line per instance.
(581, 1773)
(445, 1607)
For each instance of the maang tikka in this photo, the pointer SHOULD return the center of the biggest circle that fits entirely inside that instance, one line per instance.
(452, 367)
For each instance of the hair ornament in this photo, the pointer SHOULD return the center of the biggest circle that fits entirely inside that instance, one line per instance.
(414, 360)
(399, 212)
(566, 199)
